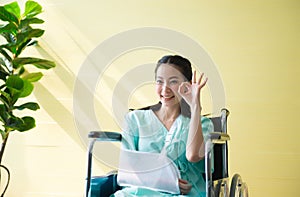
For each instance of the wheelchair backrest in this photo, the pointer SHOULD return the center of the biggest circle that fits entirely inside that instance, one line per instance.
(220, 150)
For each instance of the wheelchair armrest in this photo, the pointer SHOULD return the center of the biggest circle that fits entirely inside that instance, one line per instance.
(218, 137)
(98, 136)
(104, 185)
(105, 136)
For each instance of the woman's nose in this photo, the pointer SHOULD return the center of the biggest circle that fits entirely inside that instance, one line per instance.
(166, 88)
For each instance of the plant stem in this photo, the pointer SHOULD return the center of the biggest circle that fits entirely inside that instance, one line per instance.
(3, 145)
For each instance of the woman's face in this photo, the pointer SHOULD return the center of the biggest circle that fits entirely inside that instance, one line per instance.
(168, 80)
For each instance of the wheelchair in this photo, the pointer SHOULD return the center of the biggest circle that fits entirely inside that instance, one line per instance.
(217, 182)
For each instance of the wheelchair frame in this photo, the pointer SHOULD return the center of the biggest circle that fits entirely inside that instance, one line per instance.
(217, 183)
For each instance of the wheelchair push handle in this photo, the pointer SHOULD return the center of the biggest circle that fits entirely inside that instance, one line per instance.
(105, 136)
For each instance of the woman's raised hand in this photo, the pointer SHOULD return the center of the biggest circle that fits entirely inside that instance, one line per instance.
(190, 92)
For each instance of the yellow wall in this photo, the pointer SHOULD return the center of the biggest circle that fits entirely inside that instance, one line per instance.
(255, 45)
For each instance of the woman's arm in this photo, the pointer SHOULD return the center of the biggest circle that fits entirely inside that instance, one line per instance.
(195, 149)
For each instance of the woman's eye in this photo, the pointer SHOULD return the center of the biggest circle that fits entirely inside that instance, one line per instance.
(173, 82)
(159, 82)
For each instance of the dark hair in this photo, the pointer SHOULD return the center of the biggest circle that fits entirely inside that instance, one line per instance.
(183, 65)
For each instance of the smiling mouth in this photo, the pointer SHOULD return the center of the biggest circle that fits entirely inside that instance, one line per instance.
(167, 98)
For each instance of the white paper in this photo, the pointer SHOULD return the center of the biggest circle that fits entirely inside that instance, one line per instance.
(149, 170)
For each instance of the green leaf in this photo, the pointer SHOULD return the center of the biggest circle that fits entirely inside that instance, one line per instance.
(11, 42)
(15, 97)
(30, 33)
(9, 28)
(22, 47)
(3, 113)
(3, 70)
(29, 105)
(37, 62)
(28, 123)
(15, 84)
(4, 101)
(27, 89)
(25, 37)
(3, 134)
(3, 75)
(34, 42)
(21, 71)
(20, 124)
(4, 53)
(6, 96)
(27, 21)
(33, 77)
(32, 8)
(8, 16)
(14, 9)
(11, 47)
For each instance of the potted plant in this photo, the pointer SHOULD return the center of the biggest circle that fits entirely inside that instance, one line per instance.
(17, 33)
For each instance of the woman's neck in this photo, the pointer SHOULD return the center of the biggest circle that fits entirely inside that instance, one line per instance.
(167, 113)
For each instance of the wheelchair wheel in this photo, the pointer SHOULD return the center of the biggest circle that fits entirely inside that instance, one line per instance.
(221, 189)
(237, 187)
(245, 190)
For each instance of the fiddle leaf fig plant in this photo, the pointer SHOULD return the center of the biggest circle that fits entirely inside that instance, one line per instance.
(18, 32)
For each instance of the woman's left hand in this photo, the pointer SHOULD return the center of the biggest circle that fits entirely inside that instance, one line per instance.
(190, 92)
(184, 186)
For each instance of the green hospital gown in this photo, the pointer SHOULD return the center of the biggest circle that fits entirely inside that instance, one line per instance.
(145, 132)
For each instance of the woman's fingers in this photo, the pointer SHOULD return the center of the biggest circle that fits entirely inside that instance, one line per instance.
(194, 77)
(185, 186)
(184, 88)
(181, 88)
(200, 78)
(183, 181)
(199, 82)
(204, 82)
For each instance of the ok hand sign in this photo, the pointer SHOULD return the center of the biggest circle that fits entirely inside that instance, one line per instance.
(190, 92)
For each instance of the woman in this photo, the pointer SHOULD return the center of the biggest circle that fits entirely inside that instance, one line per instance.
(175, 126)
